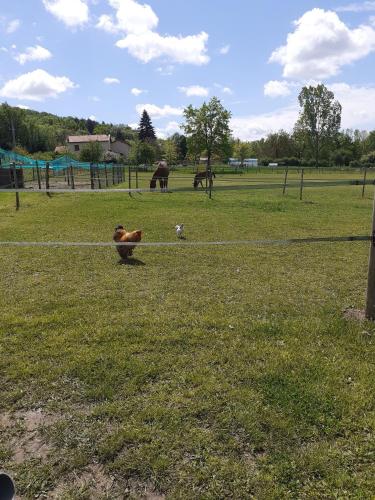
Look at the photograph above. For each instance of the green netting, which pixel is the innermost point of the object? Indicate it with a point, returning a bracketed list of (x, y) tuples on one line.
[(9, 157)]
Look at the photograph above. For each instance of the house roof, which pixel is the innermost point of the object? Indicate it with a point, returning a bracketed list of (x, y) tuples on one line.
[(89, 138)]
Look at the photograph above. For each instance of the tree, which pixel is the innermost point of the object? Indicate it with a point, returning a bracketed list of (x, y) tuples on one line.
[(208, 127), (170, 152), (181, 145), (13, 121), (142, 153), (90, 125), (320, 118), (242, 150), (92, 152), (146, 132)]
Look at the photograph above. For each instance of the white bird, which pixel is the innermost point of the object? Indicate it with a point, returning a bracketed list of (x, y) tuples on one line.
[(180, 230)]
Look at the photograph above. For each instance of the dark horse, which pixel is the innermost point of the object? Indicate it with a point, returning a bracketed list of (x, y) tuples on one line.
[(161, 174), (198, 179)]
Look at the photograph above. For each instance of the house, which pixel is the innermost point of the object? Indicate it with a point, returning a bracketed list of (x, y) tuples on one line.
[(75, 143)]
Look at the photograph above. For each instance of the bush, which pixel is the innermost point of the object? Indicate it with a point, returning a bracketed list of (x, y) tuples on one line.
[(369, 158)]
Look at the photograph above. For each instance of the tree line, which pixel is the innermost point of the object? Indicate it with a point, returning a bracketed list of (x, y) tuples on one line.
[(317, 137)]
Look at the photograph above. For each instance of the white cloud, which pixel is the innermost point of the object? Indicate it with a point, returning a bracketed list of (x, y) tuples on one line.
[(255, 127), (22, 106), (131, 17), (13, 26), (165, 71), (94, 98), (321, 44), (150, 45), (36, 86), (36, 53), (159, 112), (372, 20), (138, 23), (170, 129), (194, 90), (357, 7), (223, 89), (3, 49), (358, 103), (276, 88), (72, 13), (224, 50), (92, 117), (135, 91), (110, 81)]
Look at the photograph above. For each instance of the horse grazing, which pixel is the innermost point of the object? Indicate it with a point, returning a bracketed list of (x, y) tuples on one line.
[(198, 179), (161, 174)]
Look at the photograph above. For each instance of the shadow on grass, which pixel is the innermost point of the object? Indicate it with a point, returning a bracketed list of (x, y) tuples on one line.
[(131, 262)]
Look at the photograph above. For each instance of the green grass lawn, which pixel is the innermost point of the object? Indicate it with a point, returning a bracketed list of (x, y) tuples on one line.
[(210, 372)]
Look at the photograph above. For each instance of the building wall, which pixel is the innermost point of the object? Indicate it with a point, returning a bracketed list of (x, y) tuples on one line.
[(72, 146), (121, 148)]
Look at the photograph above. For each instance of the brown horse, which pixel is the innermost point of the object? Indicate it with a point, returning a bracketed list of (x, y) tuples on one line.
[(198, 179), (161, 174)]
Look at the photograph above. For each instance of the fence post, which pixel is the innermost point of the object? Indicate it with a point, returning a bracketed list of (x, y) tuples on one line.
[(136, 176), (113, 175), (130, 179), (106, 176), (210, 184), (15, 184), (98, 174), (72, 176), (47, 179), (370, 302), (301, 187), (285, 179), (38, 176), (364, 182), (91, 176)]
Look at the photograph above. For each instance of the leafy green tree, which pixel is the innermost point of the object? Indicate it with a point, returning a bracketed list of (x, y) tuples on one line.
[(92, 152), (146, 132), (90, 125), (320, 118), (12, 119), (170, 152), (142, 153), (181, 145), (242, 150), (208, 127)]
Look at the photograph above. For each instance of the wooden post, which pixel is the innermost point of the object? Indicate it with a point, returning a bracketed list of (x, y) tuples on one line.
[(15, 184), (130, 179), (370, 303), (72, 176), (136, 177), (113, 175), (98, 174), (47, 179), (301, 187), (33, 174), (106, 176), (91, 176), (210, 184), (285, 179), (38, 176), (364, 182)]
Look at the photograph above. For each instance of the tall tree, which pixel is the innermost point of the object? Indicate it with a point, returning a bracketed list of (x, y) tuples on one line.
[(146, 132), (170, 152), (208, 126), (320, 118), (242, 150)]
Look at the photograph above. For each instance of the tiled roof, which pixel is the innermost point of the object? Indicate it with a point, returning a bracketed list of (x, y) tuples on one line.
[(89, 138)]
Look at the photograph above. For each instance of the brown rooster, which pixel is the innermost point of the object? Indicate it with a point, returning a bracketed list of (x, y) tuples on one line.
[(122, 236)]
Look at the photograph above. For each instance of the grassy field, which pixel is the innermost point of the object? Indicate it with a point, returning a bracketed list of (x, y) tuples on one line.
[(212, 372)]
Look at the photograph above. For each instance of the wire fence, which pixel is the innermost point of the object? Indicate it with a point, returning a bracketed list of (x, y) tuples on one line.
[(186, 243)]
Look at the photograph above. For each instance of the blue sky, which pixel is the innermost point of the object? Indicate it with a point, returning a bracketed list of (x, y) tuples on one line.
[(110, 58)]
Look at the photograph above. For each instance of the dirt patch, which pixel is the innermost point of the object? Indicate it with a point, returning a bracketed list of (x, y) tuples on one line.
[(24, 431), (355, 314), (92, 482)]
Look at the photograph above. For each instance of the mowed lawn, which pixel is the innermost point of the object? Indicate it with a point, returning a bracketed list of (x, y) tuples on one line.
[(198, 372)]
